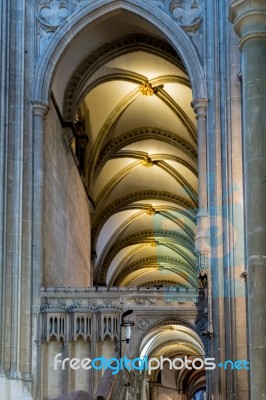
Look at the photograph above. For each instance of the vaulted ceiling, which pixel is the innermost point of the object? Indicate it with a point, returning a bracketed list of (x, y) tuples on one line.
[(175, 342), (141, 166)]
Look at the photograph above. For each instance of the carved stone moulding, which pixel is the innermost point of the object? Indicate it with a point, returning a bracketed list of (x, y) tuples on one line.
[(53, 13), (203, 263), (187, 13), (145, 323)]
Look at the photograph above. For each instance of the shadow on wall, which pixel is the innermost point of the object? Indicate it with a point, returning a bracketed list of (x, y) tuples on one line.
[(77, 395), (104, 390)]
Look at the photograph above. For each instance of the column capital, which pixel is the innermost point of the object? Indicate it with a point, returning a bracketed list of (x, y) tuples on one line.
[(200, 107), (249, 19), (40, 108)]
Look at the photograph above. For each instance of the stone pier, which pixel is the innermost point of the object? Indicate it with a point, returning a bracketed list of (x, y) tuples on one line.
[(249, 18)]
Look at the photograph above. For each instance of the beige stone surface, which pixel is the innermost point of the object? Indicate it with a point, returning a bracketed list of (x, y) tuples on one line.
[(66, 214)]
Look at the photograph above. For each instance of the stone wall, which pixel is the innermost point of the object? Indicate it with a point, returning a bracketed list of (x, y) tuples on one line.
[(66, 214)]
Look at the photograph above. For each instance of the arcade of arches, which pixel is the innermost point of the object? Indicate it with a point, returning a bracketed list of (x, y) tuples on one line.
[(132, 132), (124, 190)]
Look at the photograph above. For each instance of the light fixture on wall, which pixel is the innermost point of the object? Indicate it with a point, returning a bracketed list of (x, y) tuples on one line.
[(125, 327)]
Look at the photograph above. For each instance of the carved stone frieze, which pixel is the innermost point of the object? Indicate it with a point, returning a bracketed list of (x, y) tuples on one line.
[(102, 307), (70, 301), (45, 304), (139, 300), (152, 300), (167, 300), (61, 304), (145, 323), (56, 304), (161, 283), (70, 317), (107, 302), (77, 302), (121, 302), (72, 305)]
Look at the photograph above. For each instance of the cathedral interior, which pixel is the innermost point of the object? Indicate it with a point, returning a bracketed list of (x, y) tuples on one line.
[(133, 218)]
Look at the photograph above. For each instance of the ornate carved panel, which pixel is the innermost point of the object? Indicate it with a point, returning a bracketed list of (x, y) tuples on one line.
[(187, 13), (53, 12), (54, 326), (82, 326), (108, 326)]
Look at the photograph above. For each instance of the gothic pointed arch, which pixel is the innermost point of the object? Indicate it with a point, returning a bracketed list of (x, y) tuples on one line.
[(177, 343), (93, 13)]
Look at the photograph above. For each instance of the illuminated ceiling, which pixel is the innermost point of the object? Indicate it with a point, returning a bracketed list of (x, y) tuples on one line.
[(171, 340), (142, 167), (176, 341)]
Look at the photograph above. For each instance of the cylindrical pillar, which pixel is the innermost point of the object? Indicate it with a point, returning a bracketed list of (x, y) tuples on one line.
[(249, 18), (40, 111), (200, 108), (202, 239)]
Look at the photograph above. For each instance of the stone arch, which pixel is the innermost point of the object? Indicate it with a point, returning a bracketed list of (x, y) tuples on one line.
[(93, 12), (77, 86), (173, 339), (167, 321)]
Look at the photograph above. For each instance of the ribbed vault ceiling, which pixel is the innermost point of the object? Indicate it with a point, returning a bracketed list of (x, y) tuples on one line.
[(171, 340), (175, 341), (142, 167)]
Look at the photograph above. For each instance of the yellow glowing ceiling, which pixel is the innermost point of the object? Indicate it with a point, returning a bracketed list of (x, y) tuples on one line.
[(142, 171)]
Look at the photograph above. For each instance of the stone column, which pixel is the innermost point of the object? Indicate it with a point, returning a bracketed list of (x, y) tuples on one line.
[(202, 239), (249, 18), (143, 392), (40, 111), (200, 108), (4, 97)]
